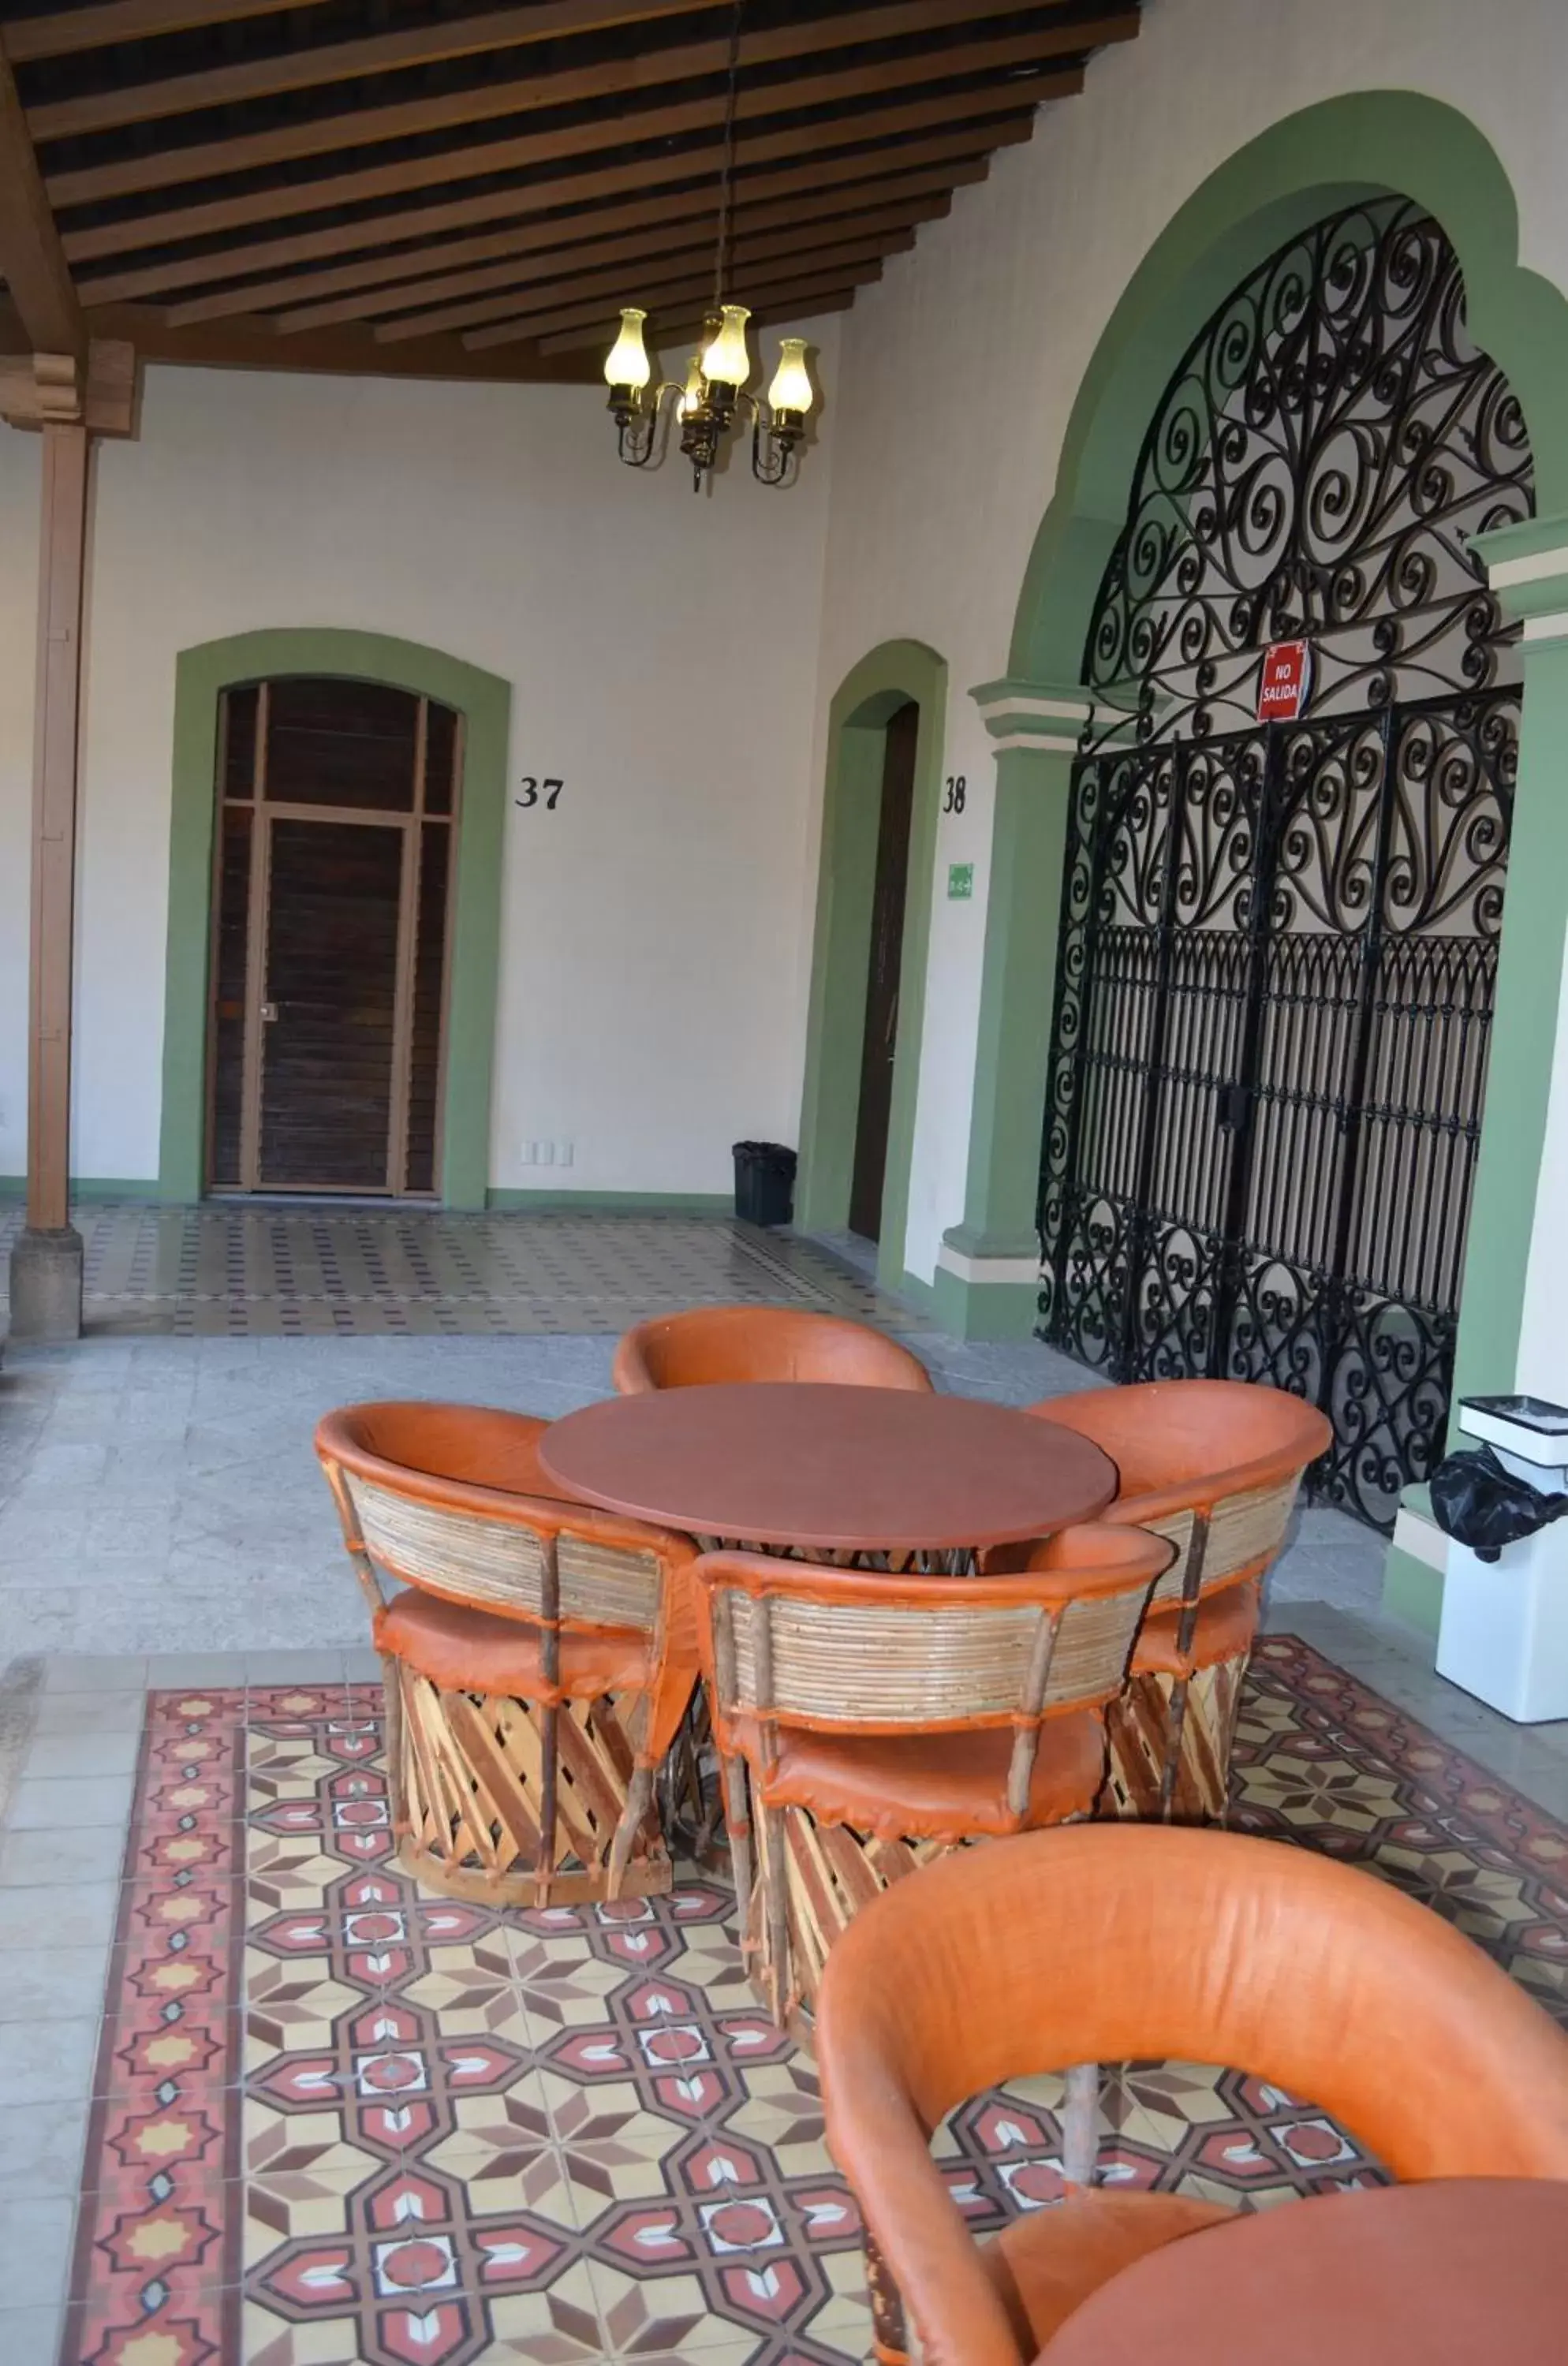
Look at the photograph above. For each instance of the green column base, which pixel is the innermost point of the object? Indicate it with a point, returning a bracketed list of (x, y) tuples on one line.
[(985, 1310), (1412, 1588), (1412, 1591)]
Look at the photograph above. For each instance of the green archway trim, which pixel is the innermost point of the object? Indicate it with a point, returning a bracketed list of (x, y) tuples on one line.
[(484, 701), (884, 679), (1367, 143)]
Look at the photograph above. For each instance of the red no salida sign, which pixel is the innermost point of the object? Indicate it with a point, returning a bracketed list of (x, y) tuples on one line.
[(1285, 681)]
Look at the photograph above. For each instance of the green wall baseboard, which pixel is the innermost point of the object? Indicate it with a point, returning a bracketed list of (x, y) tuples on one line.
[(89, 1190), (628, 1203)]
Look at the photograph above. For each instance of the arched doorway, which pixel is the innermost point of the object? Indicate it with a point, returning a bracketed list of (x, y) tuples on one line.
[(1277, 940), (337, 806), (886, 727)]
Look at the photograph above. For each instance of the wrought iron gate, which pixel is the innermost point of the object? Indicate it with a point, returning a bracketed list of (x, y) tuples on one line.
[(1278, 942)]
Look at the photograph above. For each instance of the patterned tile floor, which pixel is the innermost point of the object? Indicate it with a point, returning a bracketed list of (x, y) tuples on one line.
[(334, 2119), (264, 1271)]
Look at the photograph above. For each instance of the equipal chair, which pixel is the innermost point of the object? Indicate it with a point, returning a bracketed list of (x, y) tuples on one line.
[(1115, 1943), (537, 1661), (884, 1720), (1214, 1466), (761, 1342)]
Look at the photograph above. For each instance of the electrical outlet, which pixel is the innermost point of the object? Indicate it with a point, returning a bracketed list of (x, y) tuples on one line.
[(563, 1153)]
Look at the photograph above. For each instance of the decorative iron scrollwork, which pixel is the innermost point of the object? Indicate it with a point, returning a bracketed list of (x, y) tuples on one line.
[(1326, 449), (1278, 945)]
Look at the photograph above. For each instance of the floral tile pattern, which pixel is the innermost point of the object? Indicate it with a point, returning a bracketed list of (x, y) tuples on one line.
[(339, 2122)]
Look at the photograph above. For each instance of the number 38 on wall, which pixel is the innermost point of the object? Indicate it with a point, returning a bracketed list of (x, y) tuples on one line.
[(958, 788)]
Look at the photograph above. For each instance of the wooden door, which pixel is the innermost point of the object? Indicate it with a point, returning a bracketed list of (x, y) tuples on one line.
[(333, 868), (880, 1042)]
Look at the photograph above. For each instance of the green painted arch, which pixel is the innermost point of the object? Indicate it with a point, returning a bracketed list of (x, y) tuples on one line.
[(887, 678), (484, 701), (1367, 144)]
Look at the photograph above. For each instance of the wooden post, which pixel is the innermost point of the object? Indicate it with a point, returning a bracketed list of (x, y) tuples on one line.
[(46, 1263)]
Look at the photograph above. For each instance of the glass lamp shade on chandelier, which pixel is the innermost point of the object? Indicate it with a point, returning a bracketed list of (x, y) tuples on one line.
[(712, 399)]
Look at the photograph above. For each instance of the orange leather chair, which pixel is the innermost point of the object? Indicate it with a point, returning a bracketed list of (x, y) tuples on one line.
[(882, 1720), (538, 1660), (1119, 1942), (1214, 1466), (761, 1342)]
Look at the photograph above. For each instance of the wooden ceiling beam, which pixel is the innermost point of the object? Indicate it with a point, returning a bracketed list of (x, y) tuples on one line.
[(458, 36), (75, 30), (32, 261), (529, 150), (662, 253), (245, 344), (922, 195), (877, 123), (532, 321), (626, 201), (304, 68), (591, 324), (611, 288), (612, 79)]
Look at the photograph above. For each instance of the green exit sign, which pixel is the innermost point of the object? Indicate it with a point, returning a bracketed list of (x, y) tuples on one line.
[(960, 882)]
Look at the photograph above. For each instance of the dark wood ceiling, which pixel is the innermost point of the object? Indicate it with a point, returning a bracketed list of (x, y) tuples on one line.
[(435, 187)]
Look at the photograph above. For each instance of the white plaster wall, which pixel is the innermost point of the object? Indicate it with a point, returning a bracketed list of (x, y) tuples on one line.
[(661, 651), (958, 372)]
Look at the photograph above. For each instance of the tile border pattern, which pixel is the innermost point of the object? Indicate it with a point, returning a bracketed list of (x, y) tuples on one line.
[(451, 2135)]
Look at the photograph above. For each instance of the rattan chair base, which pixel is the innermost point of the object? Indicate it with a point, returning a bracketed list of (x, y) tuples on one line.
[(1141, 1727), (467, 1776), (827, 1873), (644, 1877)]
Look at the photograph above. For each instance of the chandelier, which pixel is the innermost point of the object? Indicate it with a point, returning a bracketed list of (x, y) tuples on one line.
[(712, 397)]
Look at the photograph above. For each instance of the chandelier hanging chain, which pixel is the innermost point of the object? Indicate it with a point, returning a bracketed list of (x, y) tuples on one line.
[(727, 163), (716, 395)]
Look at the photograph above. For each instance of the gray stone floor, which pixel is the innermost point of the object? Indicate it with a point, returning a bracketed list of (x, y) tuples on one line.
[(154, 1492), (162, 1522)]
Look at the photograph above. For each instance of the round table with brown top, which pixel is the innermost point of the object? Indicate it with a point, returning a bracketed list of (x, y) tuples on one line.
[(1452, 2272), (810, 1466)]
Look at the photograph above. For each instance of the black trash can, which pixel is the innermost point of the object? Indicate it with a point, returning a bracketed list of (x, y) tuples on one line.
[(764, 1182)]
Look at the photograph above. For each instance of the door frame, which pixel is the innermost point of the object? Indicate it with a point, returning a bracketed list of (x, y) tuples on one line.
[(473, 953), (892, 675)]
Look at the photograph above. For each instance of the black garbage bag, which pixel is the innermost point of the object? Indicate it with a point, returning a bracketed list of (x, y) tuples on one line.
[(1479, 1503)]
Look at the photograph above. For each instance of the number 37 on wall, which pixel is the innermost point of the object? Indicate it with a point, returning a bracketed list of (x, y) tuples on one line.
[(535, 792)]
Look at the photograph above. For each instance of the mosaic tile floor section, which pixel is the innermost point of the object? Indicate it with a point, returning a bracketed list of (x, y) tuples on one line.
[(250, 1271), (338, 2120)]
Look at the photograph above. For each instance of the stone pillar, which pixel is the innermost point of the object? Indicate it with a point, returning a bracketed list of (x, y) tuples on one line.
[(987, 1276)]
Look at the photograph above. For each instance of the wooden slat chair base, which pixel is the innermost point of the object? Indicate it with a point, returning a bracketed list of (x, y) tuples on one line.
[(1213, 1466), (1139, 1728), (539, 1658), (826, 1874), (868, 1724), (467, 1783)]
